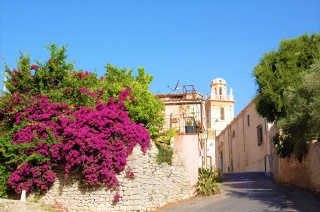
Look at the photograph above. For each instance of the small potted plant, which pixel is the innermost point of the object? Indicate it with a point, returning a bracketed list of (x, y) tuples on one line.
[(189, 127), (200, 128)]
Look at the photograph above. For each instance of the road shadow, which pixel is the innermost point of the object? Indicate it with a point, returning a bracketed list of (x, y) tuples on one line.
[(261, 187)]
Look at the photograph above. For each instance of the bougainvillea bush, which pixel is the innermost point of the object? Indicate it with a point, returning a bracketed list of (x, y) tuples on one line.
[(57, 117)]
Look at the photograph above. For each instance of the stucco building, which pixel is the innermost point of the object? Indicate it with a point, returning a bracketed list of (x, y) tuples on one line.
[(182, 109), (245, 144), (219, 108), (213, 114)]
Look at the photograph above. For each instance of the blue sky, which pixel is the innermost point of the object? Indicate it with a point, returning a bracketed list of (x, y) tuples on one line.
[(191, 41)]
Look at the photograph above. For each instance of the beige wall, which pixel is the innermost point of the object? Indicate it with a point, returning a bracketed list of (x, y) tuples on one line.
[(213, 110), (238, 143)]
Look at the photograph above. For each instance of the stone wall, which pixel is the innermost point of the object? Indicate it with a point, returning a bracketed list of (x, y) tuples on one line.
[(154, 186), (303, 174)]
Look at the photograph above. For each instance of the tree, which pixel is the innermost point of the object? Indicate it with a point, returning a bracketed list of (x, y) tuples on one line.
[(279, 70), (58, 79), (55, 116), (302, 121), (146, 109), (288, 80)]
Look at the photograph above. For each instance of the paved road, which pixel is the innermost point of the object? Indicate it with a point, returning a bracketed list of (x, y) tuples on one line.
[(252, 192)]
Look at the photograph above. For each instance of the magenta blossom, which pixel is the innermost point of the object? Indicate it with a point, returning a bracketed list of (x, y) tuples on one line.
[(66, 90), (102, 77), (80, 75), (83, 90), (116, 197), (130, 175), (34, 67), (96, 140)]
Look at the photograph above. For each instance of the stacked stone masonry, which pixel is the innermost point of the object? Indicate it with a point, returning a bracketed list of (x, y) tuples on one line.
[(305, 173), (154, 185)]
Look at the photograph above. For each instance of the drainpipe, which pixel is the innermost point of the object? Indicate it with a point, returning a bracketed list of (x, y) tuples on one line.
[(205, 152)]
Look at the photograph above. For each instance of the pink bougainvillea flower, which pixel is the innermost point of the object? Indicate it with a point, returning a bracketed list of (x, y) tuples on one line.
[(130, 174), (83, 90), (80, 75), (97, 140), (34, 67), (15, 83), (116, 197), (14, 71), (66, 90), (102, 77), (87, 73)]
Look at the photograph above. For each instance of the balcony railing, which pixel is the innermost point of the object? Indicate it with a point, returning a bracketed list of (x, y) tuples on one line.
[(180, 121), (222, 97)]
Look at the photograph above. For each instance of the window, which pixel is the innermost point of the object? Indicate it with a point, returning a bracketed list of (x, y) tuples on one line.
[(222, 113), (233, 134), (259, 135), (220, 91), (248, 117)]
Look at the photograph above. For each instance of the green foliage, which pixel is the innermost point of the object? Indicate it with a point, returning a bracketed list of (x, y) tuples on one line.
[(289, 93), (302, 122), (279, 70), (8, 154), (37, 198), (146, 109), (162, 143), (58, 79), (165, 153), (189, 121), (219, 179), (208, 182), (167, 135)]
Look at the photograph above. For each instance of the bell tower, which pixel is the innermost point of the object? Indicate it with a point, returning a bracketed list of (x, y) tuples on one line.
[(219, 106)]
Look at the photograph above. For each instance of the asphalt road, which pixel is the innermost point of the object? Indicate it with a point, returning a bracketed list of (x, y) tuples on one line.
[(254, 191)]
